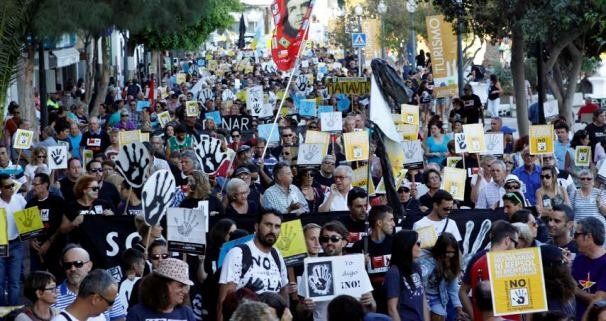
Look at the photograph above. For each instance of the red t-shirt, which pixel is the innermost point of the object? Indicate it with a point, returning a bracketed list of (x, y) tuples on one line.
[(587, 109), (479, 272)]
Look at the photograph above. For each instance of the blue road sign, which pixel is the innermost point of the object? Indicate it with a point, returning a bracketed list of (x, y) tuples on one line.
[(358, 39)]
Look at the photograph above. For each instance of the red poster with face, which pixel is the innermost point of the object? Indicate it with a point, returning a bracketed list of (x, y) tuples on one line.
[(291, 18)]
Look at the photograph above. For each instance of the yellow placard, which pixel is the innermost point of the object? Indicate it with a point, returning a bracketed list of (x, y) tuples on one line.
[(360, 177), (163, 118), (242, 95), (410, 114), (23, 139), (452, 161), (541, 139), (129, 136), (397, 119), (427, 236), (516, 281), (356, 146), (181, 78), (474, 136), (291, 242), (582, 156), (29, 222), (192, 109), (317, 137), (3, 227), (212, 65), (408, 131), (144, 137), (454, 182)]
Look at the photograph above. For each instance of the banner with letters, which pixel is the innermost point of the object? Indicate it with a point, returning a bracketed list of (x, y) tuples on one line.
[(348, 85), (443, 46)]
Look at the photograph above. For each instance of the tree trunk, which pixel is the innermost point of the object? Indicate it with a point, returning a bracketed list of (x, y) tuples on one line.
[(155, 68), (102, 75), (89, 47), (25, 83), (517, 71)]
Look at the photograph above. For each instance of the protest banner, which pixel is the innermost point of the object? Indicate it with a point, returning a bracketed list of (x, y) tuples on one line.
[(144, 137), (516, 281), (307, 108), (186, 229), (310, 154), (494, 144), (454, 182), (541, 139), (163, 118), (142, 104), (325, 109), (452, 161), (132, 162), (360, 177), (410, 114), (158, 192), (23, 139), (317, 137), (291, 243), (442, 40), (582, 156), (331, 122), (265, 131), (57, 157), (348, 85), (3, 233), (328, 277), (192, 109), (230, 245), (474, 138), (460, 143), (208, 151), (356, 146), (551, 110), (126, 137), (254, 100), (29, 223), (408, 131), (413, 154)]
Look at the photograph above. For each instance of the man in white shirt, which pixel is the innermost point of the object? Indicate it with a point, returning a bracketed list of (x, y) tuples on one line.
[(336, 198), (438, 218), (491, 194)]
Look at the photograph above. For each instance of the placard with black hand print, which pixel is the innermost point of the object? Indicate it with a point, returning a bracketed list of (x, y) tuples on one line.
[(57, 157), (29, 223), (132, 163), (186, 229), (327, 277), (158, 192)]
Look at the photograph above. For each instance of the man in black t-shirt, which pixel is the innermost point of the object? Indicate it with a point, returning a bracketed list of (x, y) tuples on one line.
[(472, 106), (357, 202), (74, 171)]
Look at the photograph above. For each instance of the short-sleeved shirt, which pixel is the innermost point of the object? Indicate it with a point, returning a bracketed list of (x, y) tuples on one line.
[(590, 276), (141, 313), (16, 203), (531, 182), (410, 296), (65, 297), (264, 275), (479, 272), (439, 226)]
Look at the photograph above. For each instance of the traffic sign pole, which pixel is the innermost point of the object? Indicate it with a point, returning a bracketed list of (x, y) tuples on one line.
[(358, 40)]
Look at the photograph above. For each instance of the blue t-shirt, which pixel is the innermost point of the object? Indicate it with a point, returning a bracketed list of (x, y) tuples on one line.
[(434, 147), (531, 181), (141, 313), (590, 276), (410, 296)]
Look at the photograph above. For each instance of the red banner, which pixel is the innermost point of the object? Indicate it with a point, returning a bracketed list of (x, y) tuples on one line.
[(291, 18)]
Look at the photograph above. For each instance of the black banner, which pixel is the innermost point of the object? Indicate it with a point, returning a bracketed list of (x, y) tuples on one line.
[(242, 123)]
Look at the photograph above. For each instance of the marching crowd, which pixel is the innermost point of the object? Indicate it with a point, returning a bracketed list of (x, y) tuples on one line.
[(553, 202)]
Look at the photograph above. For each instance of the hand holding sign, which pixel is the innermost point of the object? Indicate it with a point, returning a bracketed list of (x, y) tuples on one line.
[(157, 194), (132, 163), (209, 154)]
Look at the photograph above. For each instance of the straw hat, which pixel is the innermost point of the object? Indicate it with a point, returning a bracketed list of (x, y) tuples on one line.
[(174, 269)]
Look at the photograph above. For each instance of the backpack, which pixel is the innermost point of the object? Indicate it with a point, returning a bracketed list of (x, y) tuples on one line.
[(247, 258)]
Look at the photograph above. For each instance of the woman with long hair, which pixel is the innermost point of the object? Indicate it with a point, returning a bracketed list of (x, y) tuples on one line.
[(440, 272), (550, 193), (580, 138), (559, 284), (436, 145), (403, 284)]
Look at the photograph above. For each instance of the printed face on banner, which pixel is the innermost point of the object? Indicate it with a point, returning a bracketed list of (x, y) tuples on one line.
[(356, 146), (517, 281), (254, 100), (410, 114), (454, 182), (494, 143), (57, 157), (327, 277), (132, 163), (126, 137), (541, 139), (157, 194), (192, 109), (186, 229), (163, 118), (413, 154), (331, 122), (23, 139), (291, 242), (582, 156), (474, 136), (310, 154), (209, 154)]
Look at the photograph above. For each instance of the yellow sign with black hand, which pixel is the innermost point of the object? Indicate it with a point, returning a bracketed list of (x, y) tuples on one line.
[(291, 243), (29, 222)]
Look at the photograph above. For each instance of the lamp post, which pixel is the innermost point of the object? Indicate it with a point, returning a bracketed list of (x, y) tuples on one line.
[(460, 45), (411, 7), (382, 9), (359, 11)]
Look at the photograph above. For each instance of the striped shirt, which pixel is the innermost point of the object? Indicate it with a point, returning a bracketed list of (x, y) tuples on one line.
[(587, 206), (65, 297), (490, 195)]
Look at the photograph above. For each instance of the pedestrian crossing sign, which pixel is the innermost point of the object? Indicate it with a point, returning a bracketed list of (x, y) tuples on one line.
[(358, 39)]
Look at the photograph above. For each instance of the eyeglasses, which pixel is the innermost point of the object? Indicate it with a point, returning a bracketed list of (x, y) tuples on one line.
[(545, 176), (41, 156), (9, 186), (515, 242), (508, 162), (235, 136), (528, 155), (109, 302), (54, 288), (332, 239), (156, 257), (287, 135), (340, 177), (78, 264), (96, 170), (124, 115), (585, 178), (94, 188), (577, 234), (512, 186), (328, 163)]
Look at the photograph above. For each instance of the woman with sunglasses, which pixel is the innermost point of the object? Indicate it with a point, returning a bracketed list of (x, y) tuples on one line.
[(156, 252), (550, 193), (313, 195), (588, 200), (525, 217), (38, 160), (580, 138), (403, 284)]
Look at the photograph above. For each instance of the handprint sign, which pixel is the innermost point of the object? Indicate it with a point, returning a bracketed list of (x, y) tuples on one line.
[(460, 144), (320, 279), (57, 157), (519, 297), (287, 235), (29, 222), (310, 154), (157, 194), (331, 122), (494, 143), (209, 154), (132, 163), (187, 223)]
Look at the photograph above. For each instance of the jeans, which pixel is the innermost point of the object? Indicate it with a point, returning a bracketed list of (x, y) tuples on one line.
[(10, 274)]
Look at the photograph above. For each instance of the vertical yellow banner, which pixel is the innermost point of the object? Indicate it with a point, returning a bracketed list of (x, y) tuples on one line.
[(443, 47), (541, 139)]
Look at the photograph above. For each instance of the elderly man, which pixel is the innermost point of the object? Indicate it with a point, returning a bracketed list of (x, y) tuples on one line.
[(492, 193), (529, 175), (283, 196), (325, 177), (336, 198), (94, 139), (97, 293)]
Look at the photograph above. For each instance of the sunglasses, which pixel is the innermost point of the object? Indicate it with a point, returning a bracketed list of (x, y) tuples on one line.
[(545, 176), (9, 186), (447, 209), (109, 302), (41, 156), (94, 188), (96, 170), (156, 257), (332, 239), (577, 234), (78, 264), (508, 162), (585, 178), (515, 242), (512, 186)]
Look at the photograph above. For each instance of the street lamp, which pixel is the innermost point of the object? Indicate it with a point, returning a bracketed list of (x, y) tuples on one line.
[(359, 11), (411, 7), (460, 45), (382, 9)]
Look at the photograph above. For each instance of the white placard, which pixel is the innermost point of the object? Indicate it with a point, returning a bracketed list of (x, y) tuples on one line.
[(494, 144), (550, 109), (57, 157), (331, 122), (158, 193), (460, 143), (310, 154), (186, 229), (23, 139), (328, 277), (413, 152), (254, 100)]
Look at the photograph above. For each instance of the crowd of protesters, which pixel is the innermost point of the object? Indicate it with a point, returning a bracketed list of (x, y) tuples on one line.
[(549, 202)]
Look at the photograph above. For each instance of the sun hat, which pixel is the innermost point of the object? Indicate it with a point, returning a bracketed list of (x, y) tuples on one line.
[(174, 269)]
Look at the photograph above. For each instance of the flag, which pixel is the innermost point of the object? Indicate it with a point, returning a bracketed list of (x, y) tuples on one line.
[(291, 30), (241, 42)]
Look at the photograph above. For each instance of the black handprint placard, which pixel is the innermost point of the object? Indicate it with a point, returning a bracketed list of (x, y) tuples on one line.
[(209, 154), (132, 163), (413, 154), (186, 229), (57, 157), (157, 194), (327, 277)]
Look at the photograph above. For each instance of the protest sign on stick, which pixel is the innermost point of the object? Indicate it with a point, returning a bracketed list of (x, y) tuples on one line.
[(328, 277)]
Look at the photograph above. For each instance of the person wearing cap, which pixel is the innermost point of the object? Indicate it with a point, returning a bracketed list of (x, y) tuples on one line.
[(492, 192), (588, 266), (165, 291), (407, 194), (244, 173), (325, 176), (243, 156)]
